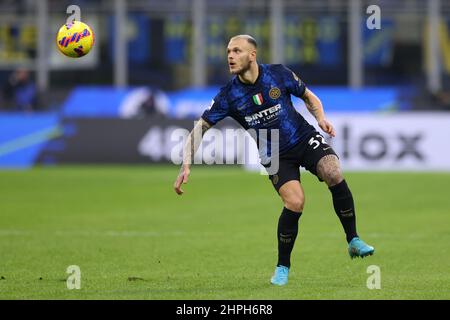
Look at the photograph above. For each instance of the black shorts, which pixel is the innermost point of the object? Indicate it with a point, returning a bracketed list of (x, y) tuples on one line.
[(306, 153)]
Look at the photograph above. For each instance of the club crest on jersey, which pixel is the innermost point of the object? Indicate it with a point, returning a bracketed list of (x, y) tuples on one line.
[(274, 93), (258, 99)]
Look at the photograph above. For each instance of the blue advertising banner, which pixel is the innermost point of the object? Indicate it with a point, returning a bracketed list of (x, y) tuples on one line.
[(109, 102), (23, 137)]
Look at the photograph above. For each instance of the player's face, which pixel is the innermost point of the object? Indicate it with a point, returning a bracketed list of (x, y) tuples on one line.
[(240, 55)]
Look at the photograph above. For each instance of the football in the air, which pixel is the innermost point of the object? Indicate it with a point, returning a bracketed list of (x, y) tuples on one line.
[(75, 39)]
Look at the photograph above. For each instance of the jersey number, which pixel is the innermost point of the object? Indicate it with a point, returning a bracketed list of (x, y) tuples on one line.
[(315, 142)]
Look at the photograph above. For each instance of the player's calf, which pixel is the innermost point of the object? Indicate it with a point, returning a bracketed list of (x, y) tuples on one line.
[(328, 169)]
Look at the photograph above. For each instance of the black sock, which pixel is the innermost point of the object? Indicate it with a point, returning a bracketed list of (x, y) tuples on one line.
[(286, 234), (345, 208)]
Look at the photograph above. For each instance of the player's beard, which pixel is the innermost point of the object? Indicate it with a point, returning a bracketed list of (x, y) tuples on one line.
[(245, 67)]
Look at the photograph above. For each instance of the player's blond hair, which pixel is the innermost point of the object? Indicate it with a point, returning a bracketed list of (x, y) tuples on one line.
[(247, 37)]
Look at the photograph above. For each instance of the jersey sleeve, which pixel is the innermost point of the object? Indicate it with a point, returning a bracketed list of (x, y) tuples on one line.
[(293, 83), (217, 111)]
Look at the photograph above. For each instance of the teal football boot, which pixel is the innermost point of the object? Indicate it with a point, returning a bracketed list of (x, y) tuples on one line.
[(358, 248), (280, 277)]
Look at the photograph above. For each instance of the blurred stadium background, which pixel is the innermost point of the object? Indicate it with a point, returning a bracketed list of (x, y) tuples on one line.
[(157, 60), (155, 67)]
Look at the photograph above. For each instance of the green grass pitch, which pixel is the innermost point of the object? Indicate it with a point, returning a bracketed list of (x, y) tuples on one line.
[(134, 238)]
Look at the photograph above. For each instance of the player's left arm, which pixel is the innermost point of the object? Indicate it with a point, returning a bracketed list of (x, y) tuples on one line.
[(314, 106)]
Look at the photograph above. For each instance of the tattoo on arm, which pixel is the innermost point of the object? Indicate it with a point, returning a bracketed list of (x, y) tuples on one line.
[(309, 103), (193, 141), (313, 105)]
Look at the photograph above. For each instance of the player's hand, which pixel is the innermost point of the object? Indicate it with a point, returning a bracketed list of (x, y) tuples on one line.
[(182, 178), (327, 127)]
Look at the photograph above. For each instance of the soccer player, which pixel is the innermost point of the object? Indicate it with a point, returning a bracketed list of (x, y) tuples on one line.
[(254, 90)]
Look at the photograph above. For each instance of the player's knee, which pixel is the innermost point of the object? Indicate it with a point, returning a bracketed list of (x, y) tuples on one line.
[(333, 177), (329, 170), (295, 203)]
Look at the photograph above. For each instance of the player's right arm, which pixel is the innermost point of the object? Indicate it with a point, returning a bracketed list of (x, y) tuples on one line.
[(216, 112), (190, 148)]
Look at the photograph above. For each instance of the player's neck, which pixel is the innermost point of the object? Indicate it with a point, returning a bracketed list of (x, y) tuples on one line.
[(251, 75)]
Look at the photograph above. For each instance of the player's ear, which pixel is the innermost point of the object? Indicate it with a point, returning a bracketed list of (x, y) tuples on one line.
[(253, 55)]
